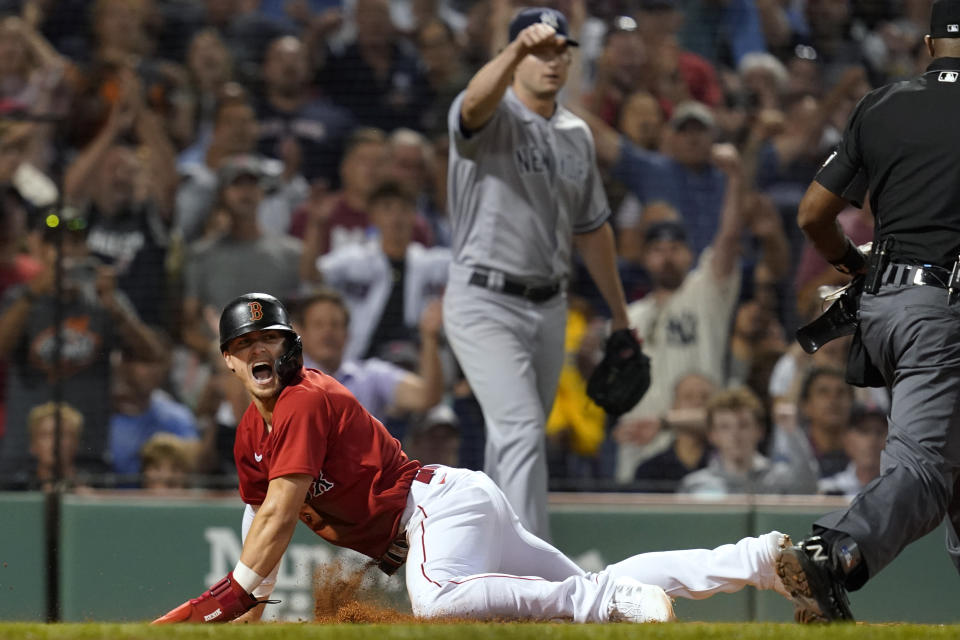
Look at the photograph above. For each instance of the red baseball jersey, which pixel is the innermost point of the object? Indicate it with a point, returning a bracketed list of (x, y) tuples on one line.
[(361, 475)]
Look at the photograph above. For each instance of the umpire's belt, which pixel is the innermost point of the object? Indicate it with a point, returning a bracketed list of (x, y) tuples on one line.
[(916, 274), (497, 281)]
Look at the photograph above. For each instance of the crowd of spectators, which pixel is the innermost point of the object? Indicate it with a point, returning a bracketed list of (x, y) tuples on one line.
[(169, 155)]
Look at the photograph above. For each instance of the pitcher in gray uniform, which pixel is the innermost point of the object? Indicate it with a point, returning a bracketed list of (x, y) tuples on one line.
[(523, 187)]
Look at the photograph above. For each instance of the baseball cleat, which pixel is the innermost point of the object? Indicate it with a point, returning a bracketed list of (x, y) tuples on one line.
[(634, 601), (805, 571), (775, 543), (806, 616)]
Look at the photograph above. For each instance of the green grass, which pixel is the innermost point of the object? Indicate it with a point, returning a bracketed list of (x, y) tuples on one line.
[(309, 631)]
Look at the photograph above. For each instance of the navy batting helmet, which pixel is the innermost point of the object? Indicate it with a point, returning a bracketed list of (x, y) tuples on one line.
[(262, 312)]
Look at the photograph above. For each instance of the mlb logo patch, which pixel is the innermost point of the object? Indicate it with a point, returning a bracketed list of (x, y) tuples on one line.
[(948, 76), (953, 28)]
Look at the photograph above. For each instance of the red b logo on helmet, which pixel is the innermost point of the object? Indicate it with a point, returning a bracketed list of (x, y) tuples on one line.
[(256, 310)]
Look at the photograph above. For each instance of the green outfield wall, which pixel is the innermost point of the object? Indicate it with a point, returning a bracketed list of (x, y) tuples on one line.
[(131, 557), (22, 557)]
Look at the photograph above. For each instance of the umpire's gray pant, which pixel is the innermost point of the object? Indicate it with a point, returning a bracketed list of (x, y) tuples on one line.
[(913, 337), (511, 351)]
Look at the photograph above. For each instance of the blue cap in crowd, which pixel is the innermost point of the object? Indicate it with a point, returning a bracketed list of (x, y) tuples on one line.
[(665, 230)]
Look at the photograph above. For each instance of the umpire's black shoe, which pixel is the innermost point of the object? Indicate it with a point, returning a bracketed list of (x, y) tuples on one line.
[(807, 572)]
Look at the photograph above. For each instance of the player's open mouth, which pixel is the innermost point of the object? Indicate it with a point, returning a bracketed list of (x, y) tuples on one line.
[(262, 373)]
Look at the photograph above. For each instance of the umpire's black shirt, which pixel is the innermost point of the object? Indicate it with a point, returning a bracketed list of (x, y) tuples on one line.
[(902, 142)]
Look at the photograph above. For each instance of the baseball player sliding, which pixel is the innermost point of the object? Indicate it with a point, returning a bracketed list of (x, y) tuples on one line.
[(307, 450), (523, 188)]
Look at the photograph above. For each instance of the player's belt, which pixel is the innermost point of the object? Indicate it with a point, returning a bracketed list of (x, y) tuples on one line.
[(916, 274), (425, 474), (496, 281), (396, 553)]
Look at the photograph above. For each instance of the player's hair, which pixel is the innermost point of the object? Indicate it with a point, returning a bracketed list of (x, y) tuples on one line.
[(815, 373), (736, 399), (71, 419), (390, 190), (323, 294), (167, 446)]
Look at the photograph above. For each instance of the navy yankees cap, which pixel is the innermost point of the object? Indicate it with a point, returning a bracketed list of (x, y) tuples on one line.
[(945, 19), (670, 230), (533, 15)]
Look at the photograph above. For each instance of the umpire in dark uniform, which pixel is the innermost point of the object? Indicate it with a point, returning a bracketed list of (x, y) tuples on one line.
[(902, 146)]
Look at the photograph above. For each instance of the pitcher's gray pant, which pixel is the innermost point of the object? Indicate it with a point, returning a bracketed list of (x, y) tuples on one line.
[(511, 351), (913, 336)]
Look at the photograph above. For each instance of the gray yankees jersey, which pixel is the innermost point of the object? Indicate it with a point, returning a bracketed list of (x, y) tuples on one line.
[(520, 187)]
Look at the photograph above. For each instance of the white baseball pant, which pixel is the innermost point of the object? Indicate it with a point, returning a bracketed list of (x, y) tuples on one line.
[(470, 557)]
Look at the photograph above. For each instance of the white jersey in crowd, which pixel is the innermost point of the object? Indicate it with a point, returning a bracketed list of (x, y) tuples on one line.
[(520, 187), (361, 273), (688, 334)]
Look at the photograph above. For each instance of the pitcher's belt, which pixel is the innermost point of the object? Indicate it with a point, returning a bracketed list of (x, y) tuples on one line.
[(497, 281)]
